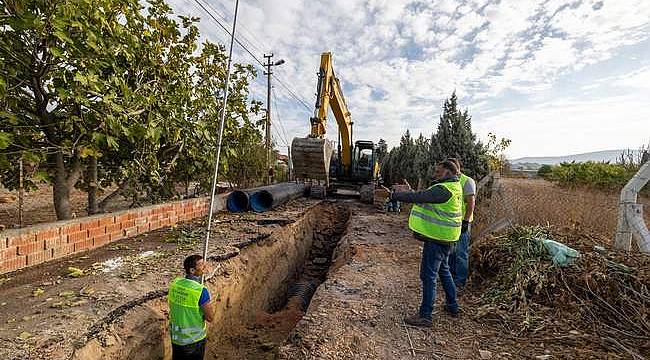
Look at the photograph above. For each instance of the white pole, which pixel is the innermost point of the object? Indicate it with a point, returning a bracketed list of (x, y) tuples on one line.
[(223, 118)]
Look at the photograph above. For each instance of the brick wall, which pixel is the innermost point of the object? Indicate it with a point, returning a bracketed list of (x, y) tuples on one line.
[(33, 245)]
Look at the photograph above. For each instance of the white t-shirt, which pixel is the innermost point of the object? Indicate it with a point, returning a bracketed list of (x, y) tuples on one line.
[(470, 187)]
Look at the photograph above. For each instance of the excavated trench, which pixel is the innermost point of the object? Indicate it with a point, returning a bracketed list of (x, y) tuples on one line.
[(259, 295)]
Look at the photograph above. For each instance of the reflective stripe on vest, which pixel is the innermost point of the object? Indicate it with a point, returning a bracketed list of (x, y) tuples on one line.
[(186, 323), (439, 221), (463, 179)]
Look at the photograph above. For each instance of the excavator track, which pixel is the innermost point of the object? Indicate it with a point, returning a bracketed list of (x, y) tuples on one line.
[(311, 158)]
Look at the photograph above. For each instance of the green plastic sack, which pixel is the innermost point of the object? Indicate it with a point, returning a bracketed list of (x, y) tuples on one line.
[(561, 254)]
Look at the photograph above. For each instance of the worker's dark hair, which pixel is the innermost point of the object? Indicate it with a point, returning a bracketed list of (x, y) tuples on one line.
[(449, 165), (191, 261), (455, 161)]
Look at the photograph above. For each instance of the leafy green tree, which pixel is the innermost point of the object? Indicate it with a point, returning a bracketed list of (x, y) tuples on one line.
[(115, 89)]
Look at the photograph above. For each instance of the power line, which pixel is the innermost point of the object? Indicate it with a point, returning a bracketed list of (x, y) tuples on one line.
[(257, 45), (296, 97), (282, 83), (277, 115), (228, 31)]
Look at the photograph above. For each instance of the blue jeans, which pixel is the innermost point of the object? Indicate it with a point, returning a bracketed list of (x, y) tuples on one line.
[(459, 259), (434, 263)]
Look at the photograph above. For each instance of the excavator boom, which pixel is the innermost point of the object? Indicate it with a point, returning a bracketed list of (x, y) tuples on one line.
[(311, 156)]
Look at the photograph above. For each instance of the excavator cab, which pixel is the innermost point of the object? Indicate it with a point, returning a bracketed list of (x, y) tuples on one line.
[(363, 162)]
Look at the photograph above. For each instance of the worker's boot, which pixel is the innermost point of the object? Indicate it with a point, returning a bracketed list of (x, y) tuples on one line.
[(452, 311), (419, 321)]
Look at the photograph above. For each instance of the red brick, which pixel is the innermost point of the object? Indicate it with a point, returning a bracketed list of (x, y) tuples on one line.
[(21, 239), (141, 221), (165, 222), (39, 257), (130, 231), (77, 236), (154, 225), (52, 243), (101, 240), (128, 224), (63, 250), (8, 253), (117, 235), (13, 264), (47, 234), (173, 219), (68, 229), (154, 217), (96, 232), (31, 248), (143, 228), (156, 211), (83, 245), (111, 228), (90, 224), (121, 218), (4, 242), (107, 220)]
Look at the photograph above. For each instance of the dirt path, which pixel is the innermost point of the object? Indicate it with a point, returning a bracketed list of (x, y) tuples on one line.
[(357, 313)]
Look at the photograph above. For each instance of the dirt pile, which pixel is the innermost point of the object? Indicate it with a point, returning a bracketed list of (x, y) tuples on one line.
[(602, 299)]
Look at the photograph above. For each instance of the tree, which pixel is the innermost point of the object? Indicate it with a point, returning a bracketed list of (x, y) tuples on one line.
[(414, 160), (454, 138), (121, 92), (382, 150)]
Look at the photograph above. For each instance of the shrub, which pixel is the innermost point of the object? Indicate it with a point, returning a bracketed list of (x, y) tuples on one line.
[(544, 171), (600, 175)]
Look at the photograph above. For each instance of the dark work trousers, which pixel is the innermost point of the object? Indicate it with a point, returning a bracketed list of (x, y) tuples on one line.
[(194, 351)]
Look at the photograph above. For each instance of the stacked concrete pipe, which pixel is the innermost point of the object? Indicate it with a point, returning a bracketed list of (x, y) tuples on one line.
[(264, 198)]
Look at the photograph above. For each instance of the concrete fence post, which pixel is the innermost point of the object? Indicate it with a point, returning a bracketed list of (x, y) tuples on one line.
[(630, 216)]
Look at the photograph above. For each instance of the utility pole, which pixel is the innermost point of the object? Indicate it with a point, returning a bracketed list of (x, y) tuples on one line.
[(289, 163), (269, 151), (268, 116), (21, 191)]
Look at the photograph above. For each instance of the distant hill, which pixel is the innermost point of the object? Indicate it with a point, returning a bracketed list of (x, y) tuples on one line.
[(606, 155)]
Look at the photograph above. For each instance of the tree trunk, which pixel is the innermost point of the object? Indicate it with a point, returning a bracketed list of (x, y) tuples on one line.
[(61, 190), (64, 181), (110, 197), (92, 186)]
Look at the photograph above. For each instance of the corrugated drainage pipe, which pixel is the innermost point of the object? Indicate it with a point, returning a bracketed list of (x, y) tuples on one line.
[(238, 201), (271, 196)]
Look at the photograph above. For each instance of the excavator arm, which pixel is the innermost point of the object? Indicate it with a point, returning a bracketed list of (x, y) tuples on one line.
[(329, 94), (311, 155)]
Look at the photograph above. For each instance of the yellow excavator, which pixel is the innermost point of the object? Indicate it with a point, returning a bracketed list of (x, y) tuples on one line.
[(354, 167)]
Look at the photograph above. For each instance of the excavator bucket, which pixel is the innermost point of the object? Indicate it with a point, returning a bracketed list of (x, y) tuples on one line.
[(311, 158)]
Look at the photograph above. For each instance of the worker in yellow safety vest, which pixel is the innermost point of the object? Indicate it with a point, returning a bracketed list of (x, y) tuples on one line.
[(436, 219), (459, 259), (189, 309)]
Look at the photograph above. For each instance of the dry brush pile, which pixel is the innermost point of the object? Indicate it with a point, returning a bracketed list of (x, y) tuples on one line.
[(600, 301)]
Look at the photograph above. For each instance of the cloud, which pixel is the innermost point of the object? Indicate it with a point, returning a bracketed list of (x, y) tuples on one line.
[(570, 126), (412, 54)]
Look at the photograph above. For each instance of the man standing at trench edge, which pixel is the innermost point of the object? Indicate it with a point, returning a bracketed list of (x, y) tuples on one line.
[(459, 259), (189, 309), (436, 219)]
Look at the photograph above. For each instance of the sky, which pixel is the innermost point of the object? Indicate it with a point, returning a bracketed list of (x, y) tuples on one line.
[(555, 77)]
